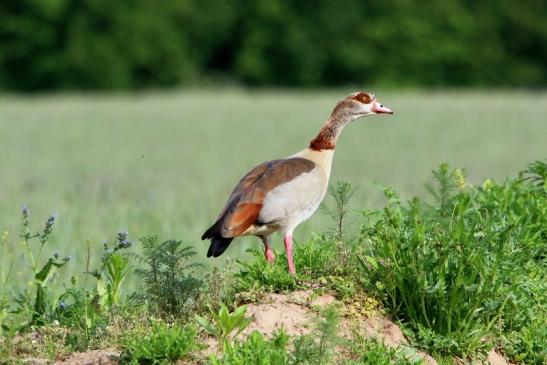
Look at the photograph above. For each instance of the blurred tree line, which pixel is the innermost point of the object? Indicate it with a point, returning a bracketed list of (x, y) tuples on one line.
[(132, 44)]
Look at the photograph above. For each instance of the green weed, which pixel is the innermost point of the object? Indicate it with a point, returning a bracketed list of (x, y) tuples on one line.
[(6, 272), (320, 260), (113, 271), (225, 326), (256, 350), (89, 311), (318, 347), (170, 287), (528, 344), (342, 193), (448, 269), (370, 351), (219, 287), (162, 344), (259, 274), (37, 302)]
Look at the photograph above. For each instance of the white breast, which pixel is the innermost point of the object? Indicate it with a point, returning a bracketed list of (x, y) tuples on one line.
[(293, 202)]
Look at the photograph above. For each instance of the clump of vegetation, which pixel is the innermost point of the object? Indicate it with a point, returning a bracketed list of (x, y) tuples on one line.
[(219, 286), (225, 326), (6, 271), (256, 349), (370, 351), (341, 193), (448, 269), (36, 301), (112, 272), (318, 347), (260, 274), (89, 311), (318, 260), (170, 287), (161, 344)]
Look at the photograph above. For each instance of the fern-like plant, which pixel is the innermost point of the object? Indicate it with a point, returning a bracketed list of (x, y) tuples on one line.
[(341, 193), (169, 285), (446, 183)]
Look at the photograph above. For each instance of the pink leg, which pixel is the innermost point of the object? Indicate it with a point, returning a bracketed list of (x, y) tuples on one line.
[(268, 252), (288, 250)]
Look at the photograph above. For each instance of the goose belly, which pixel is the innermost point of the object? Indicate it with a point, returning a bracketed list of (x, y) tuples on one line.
[(293, 202)]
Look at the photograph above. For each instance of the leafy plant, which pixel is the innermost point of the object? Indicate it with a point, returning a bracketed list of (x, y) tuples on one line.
[(6, 272), (258, 273), (112, 272), (89, 311), (256, 350), (528, 344), (225, 326), (219, 287), (318, 347), (371, 351), (170, 287), (536, 175), (447, 181), (162, 344), (37, 302), (448, 269)]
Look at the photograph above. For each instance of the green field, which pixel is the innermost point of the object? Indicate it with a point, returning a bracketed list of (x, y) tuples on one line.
[(165, 163)]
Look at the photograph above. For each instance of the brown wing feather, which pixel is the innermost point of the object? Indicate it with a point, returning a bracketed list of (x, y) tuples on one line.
[(243, 217), (245, 203)]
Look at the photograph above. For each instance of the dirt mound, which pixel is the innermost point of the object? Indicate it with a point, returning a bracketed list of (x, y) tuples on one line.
[(290, 311), (295, 312)]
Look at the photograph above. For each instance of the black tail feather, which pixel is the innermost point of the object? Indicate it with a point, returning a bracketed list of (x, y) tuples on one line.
[(219, 244), (213, 231)]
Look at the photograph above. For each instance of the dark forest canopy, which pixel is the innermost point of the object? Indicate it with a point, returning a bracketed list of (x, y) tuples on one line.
[(129, 44)]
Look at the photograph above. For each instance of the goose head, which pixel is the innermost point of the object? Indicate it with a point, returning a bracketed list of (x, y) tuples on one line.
[(359, 104)]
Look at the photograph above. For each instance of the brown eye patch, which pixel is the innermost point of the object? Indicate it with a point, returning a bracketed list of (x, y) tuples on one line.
[(363, 97)]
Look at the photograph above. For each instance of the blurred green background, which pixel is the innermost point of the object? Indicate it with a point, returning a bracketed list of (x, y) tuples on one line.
[(128, 44)]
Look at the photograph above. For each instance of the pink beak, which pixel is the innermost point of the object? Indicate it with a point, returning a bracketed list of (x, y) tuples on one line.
[(381, 109)]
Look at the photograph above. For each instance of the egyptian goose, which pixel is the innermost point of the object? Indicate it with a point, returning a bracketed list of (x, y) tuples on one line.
[(278, 195)]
